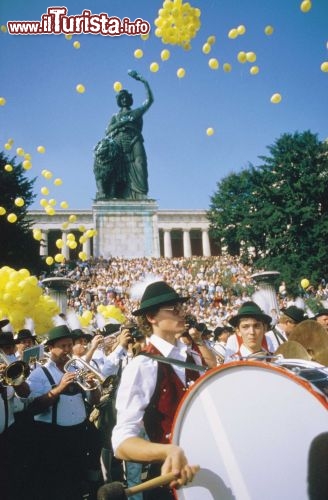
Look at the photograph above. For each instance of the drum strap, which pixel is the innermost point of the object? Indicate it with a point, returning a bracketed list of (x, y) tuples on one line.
[(172, 361), (280, 339)]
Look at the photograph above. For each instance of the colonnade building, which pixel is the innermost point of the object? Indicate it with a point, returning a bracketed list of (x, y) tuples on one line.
[(174, 233)]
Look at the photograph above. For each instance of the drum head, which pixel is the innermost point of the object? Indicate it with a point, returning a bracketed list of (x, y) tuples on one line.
[(250, 426)]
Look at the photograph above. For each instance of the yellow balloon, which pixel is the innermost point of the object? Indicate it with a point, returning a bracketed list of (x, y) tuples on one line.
[(268, 30), (11, 218), (64, 204), (37, 235), (213, 63), (48, 175), (154, 67), (3, 28), (59, 243), (8, 168), (210, 131), (44, 190), (71, 236), (49, 261), (2, 101), (324, 67), (19, 202), (71, 244), (251, 56), (72, 218), (59, 257), (58, 182), (7, 146), (241, 56), (181, 72), (276, 98), (254, 70), (305, 283), (68, 37), (20, 151), (241, 30), (211, 40), (117, 86), (27, 156), (2, 211), (43, 202), (138, 53), (27, 164), (81, 229), (206, 49), (83, 256), (144, 36), (50, 210), (76, 45), (65, 225), (165, 55), (80, 88), (306, 5), (41, 149), (227, 67), (233, 33)]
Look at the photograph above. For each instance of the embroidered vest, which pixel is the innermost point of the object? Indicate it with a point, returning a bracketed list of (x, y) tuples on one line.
[(169, 390)]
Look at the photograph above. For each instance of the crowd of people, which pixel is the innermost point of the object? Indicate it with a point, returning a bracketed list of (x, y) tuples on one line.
[(96, 405), (217, 286)]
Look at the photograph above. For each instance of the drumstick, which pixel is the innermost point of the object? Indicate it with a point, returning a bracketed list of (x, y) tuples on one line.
[(116, 490), (223, 444)]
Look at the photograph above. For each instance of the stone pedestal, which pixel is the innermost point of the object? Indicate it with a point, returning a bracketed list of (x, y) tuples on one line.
[(265, 281), (126, 228), (57, 288)]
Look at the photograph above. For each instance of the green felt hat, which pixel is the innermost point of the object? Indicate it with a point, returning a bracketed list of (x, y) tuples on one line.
[(250, 310), (295, 313), (156, 295), (59, 332)]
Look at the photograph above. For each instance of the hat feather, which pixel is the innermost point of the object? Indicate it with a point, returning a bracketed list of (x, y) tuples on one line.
[(138, 288)]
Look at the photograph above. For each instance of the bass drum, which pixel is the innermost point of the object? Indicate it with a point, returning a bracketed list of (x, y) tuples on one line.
[(250, 426)]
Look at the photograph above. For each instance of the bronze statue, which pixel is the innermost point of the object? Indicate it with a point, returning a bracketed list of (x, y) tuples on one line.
[(120, 161)]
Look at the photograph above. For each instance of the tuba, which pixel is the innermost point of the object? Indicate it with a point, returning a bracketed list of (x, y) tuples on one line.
[(15, 373)]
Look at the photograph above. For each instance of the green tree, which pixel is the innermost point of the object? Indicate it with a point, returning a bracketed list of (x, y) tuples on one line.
[(18, 248), (281, 210)]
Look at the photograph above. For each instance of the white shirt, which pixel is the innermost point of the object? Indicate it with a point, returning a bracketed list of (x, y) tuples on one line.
[(273, 339), (70, 409), (236, 353), (112, 361), (137, 386)]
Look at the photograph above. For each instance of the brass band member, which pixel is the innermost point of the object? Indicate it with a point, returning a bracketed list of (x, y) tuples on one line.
[(61, 422)]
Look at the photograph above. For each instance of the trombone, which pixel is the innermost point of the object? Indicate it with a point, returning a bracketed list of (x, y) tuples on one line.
[(15, 373), (82, 369)]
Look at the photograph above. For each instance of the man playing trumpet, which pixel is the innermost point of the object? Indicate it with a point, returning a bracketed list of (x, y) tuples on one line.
[(61, 422)]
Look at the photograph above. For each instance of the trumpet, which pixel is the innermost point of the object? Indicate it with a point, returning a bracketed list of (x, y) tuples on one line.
[(82, 369), (15, 373)]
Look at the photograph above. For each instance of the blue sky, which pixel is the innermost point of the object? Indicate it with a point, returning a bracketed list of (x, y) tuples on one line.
[(39, 75)]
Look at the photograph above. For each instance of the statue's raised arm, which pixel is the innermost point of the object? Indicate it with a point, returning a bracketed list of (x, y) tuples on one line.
[(124, 137)]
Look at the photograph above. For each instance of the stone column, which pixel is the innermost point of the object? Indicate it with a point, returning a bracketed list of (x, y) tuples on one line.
[(206, 243), (86, 248), (44, 243), (167, 244), (186, 243), (65, 250)]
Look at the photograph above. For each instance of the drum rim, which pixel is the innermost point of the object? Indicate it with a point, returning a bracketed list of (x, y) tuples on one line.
[(251, 363)]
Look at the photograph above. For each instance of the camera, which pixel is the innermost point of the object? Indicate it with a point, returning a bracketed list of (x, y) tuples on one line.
[(191, 322)]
